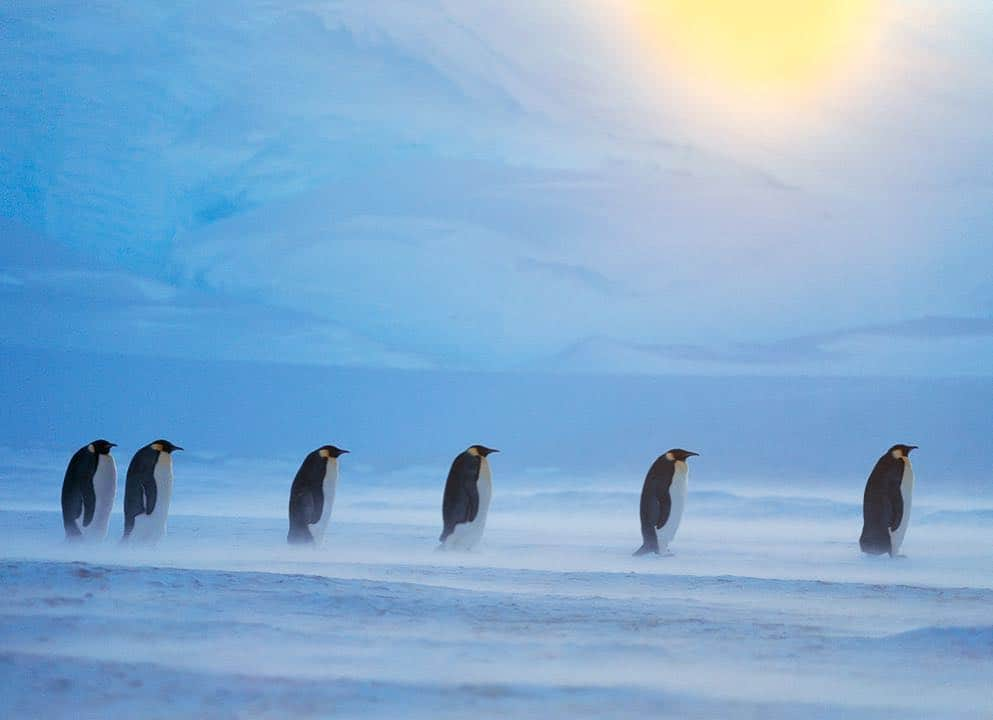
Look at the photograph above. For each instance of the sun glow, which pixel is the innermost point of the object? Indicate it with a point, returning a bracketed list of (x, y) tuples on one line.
[(757, 47)]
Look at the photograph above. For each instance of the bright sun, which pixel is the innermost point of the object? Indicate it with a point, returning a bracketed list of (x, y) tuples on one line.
[(756, 46)]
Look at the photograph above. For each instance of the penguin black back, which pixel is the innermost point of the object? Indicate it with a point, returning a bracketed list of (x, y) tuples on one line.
[(882, 502), (140, 489), (656, 499), (78, 494), (307, 493), (460, 503)]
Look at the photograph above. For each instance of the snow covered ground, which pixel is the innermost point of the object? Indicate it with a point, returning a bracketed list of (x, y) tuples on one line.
[(766, 609)]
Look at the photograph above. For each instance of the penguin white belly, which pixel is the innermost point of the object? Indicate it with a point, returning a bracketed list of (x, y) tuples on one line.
[(467, 535), (677, 495), (907, 491), (151, 528), (330, 485), (105, 488)]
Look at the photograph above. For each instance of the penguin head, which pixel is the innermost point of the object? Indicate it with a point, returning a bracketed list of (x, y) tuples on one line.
[(101, 447), (480, 450), (330, 451), (900, 451), (164, 446), (678, 454)]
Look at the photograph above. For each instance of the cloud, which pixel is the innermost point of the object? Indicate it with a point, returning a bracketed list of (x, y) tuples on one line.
[(485, 266), (578, 274), (95, 285), (434, 185), (913, 347), (95, 310), (929, 327)]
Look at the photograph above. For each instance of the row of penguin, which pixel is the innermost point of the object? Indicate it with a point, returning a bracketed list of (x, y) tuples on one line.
[(90, 486)]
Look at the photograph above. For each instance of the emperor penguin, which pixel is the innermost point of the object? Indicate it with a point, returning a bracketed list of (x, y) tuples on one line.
[(886, 503), (663, 498), (88, 491), (312, 495), (466, 502), (147, 492)]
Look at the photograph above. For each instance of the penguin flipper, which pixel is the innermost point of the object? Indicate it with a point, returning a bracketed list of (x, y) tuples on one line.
[(665, 508), (461, 500), (896, 507), (472, 501), (89, 498), (134, 505), (72, 508), (315, 505), (151, 492)]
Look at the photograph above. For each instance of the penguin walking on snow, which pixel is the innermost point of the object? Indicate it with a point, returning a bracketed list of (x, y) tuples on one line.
[(88, 491), (886, 502), (147, 493), (663, 498), (312, 495), (466, 502)]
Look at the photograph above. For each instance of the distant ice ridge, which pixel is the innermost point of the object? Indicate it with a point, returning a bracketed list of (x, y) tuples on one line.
[(976, 641)]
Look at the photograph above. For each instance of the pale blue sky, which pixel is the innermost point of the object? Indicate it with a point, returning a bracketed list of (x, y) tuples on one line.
[(486, 186)]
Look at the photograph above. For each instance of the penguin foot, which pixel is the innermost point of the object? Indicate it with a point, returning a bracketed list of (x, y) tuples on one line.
[(644, 550)]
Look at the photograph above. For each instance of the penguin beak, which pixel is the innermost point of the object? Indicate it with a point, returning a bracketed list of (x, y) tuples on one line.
[(112, 444), (692, 454), (176, 447), (343, 452)]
